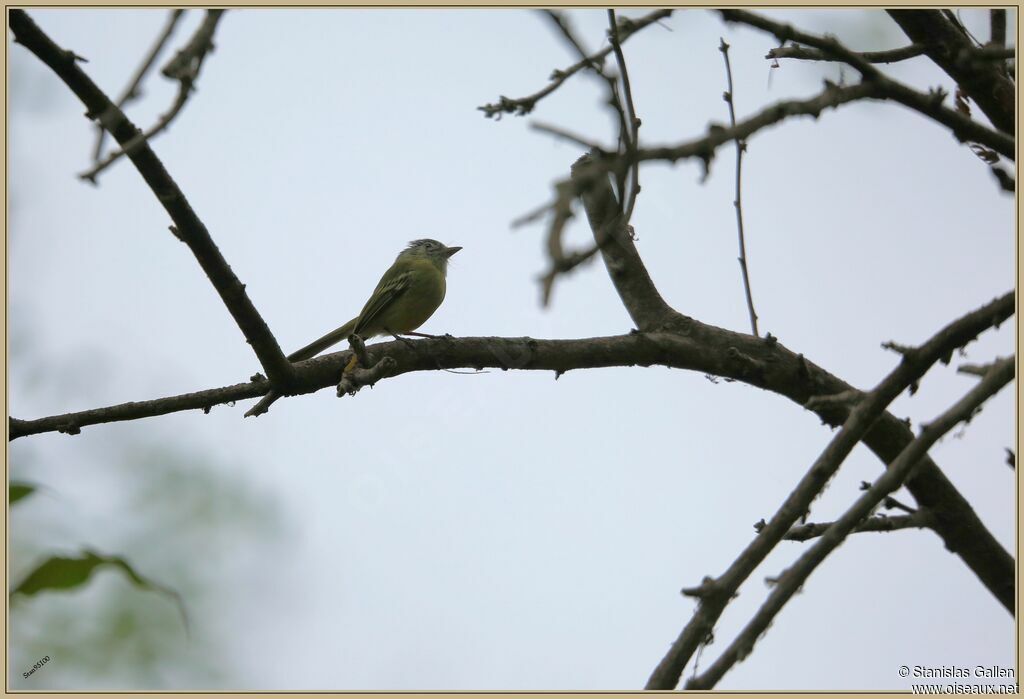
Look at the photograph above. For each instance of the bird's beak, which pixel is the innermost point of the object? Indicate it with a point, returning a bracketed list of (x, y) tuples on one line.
[(448, 252)]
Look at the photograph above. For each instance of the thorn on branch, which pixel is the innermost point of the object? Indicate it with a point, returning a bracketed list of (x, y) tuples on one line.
[(72, 57), (891, 503), (708, 588)]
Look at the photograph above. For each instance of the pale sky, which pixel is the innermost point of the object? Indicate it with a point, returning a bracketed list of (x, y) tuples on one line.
[(501, 530)]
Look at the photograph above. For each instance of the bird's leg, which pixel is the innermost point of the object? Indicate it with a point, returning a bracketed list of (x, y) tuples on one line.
[(406, 342), (358, 354)]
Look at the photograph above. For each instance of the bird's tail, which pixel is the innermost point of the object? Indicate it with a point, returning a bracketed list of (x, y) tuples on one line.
[(317, 346)]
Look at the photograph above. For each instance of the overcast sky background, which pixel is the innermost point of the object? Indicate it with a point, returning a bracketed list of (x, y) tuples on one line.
[(501, 530)]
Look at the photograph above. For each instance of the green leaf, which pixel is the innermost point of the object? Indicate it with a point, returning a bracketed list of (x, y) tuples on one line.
[(18, 490), (60, 573)]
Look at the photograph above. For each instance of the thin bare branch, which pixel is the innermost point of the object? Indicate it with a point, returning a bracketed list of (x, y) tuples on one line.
[(566, 135), (162, 123), (809, 54), (561, 262), (561, 23), (524, 105), (741, 146), (132, 90), (187, 225), (704, 148), (977, 369), (893, 478), (860, 421), (184, 68), (631, 136)]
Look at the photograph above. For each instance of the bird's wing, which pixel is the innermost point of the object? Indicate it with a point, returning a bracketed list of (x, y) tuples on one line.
[(389, 290)]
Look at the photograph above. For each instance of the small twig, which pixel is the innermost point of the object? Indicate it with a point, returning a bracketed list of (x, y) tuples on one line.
[(631, 137), (189, 59), (131, 92), (737, 203), (897, 347), (524, 105), (566, 135), (263, 404), (562, 24), (891, 503), (976, 369), (922, 519), (533, 215), (809, 54), (561, 212), (899, 471)]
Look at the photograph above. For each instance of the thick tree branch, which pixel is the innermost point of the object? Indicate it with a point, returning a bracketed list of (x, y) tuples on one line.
[(899, 470), (525, 105), (952, 50), (998, 20), (187, 225), (860, 422), (689, 344), (611, 234)]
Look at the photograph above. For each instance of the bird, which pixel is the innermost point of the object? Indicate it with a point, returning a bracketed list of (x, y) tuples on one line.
[(405, 297)]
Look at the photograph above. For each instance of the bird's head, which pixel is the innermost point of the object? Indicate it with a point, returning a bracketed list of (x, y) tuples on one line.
[(429, 249)]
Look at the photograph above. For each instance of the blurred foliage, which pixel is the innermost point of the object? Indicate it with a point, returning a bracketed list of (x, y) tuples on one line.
[(61, 573), (16, 491), (180, 521), (176, 516)]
